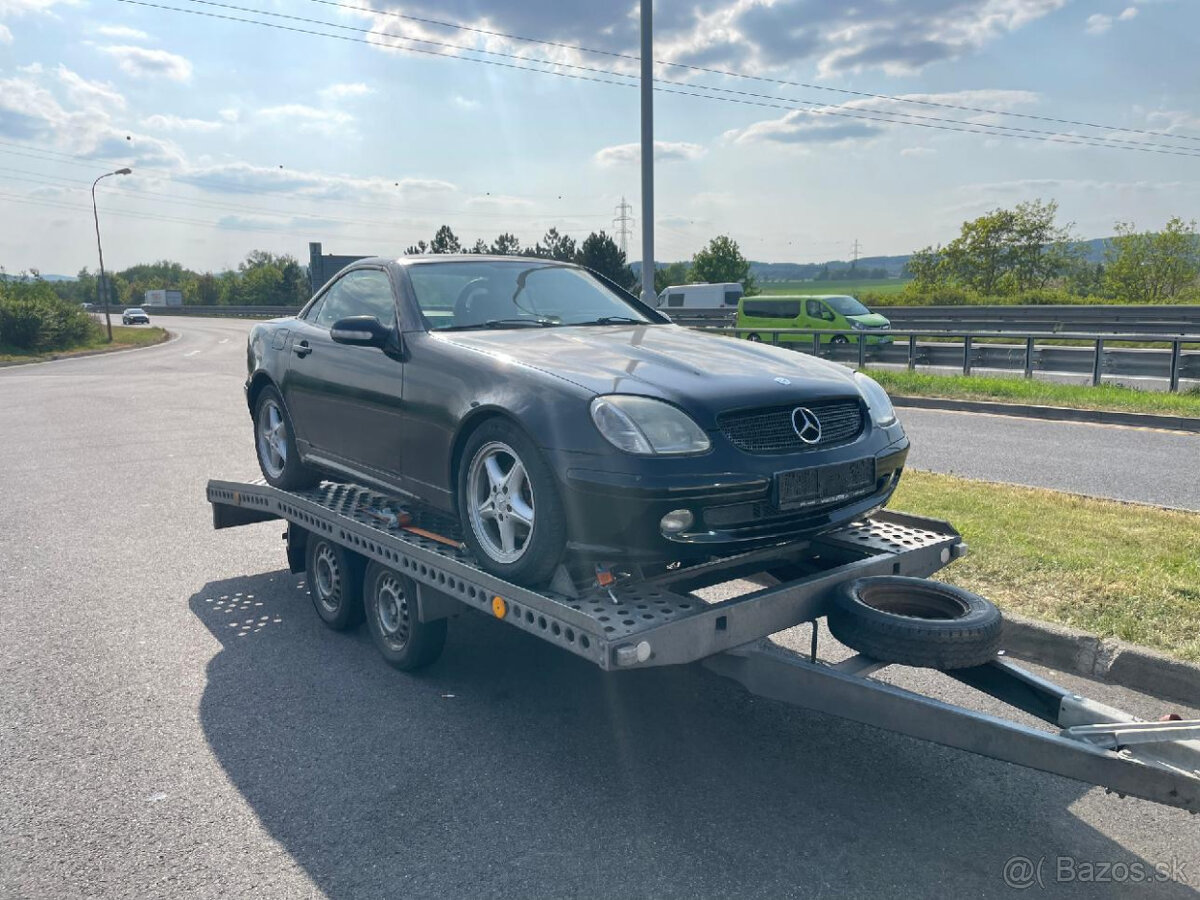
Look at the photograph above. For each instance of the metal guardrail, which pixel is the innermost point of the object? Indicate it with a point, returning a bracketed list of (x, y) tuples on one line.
[(1042, 319), (249, 312), (976, 347)]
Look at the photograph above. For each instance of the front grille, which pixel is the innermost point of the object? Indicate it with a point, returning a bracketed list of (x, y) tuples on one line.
[(769, 430)]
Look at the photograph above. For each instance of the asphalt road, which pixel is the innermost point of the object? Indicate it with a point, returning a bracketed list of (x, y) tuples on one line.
[(174, 721)]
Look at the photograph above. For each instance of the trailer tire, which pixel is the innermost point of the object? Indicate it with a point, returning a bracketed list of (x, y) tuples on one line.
[(334, 576), (915, 622), (390, 604)]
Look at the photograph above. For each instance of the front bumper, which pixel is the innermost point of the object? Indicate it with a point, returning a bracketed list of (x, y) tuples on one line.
[(618, 513)]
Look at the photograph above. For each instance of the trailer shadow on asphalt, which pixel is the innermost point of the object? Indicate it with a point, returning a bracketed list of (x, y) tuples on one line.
[(512, 768)]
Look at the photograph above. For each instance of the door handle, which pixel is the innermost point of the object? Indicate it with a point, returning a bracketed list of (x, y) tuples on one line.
[(301, 349)]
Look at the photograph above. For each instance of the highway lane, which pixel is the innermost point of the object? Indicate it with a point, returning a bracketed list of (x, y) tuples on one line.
[(175, 721)]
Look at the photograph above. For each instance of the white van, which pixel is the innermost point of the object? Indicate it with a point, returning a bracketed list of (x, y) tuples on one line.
[(701, 296)]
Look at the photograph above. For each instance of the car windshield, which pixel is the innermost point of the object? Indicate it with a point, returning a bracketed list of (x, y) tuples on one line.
[(847, 306), (521, 293)]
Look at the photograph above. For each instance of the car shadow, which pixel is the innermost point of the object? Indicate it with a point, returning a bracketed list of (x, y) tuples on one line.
[(511, 768)]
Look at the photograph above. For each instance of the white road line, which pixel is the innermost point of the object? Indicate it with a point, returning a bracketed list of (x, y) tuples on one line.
[(223, 341), (192, 353)]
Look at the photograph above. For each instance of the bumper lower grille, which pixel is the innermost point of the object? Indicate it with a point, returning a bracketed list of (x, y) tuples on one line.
[(770, 429)]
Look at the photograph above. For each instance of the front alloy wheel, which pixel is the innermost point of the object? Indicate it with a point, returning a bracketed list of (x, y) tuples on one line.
[(275, 444), (500, 502), (508, 504)]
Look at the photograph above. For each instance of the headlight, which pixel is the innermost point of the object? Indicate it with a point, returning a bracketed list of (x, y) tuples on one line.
[(647, 426), (857, 326), (881, 408)]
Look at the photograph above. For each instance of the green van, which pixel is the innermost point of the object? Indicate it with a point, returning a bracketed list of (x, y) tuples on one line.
[(832, 311)]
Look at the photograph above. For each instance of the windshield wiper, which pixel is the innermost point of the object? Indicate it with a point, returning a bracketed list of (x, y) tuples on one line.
[(504, 323), (613, 320)]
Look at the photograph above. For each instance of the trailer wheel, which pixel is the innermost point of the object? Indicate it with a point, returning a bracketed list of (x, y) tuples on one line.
[(915, 622), (390, 604), (334, 576)]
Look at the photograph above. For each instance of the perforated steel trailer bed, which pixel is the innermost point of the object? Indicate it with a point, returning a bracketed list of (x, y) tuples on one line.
[(663, 618)]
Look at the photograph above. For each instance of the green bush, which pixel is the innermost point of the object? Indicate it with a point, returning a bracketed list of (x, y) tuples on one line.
[(32, 317)]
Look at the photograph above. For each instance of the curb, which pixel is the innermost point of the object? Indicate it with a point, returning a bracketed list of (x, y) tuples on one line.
[(1102, 659), (169, 337), (1054, 413)]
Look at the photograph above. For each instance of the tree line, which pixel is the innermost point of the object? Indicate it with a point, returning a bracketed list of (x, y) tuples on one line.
[(1024, 254)]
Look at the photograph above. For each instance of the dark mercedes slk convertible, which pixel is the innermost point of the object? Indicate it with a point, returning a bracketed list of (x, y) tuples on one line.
[(560, 419)]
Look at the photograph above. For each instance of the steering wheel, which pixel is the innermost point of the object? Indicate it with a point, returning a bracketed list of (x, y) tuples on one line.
[(462, 302)]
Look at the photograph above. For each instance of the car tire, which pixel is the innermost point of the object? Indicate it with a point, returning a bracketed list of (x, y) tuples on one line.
[(754, 337), (334, 576), (390, 605), (278, 456), (915, 622), (497, 535), (839, 339)]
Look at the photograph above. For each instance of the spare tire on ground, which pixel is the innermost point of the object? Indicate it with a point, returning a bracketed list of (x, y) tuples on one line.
[(915, 622)]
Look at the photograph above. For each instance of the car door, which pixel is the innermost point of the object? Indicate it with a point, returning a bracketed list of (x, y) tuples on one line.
[(347, 402)]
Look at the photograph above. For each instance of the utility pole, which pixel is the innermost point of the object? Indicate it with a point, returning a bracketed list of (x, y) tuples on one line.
[(103, 282), (623, 224), (854, 250), (648, 152)]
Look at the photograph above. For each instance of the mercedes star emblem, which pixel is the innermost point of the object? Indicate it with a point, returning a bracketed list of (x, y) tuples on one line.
[(807, 425)]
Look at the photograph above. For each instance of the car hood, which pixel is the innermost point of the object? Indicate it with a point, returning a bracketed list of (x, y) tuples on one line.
[(871, 320), (704, 373)]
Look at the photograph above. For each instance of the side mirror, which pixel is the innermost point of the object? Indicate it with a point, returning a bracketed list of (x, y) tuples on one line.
[(360, 331)]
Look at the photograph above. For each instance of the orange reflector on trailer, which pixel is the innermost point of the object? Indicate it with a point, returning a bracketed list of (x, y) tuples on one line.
[(499, 607)]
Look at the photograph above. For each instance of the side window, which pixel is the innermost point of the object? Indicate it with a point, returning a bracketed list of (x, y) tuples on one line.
[(314, 311), (814, 309), (732, 297), (363, 292), (674, 299)]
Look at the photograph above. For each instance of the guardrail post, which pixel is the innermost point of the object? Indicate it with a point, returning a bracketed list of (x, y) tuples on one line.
[(966, 354), (912, 352), (816, 344), (775, 338), (862, 352), (1097, 361), (1176, 348), (1029, 357)]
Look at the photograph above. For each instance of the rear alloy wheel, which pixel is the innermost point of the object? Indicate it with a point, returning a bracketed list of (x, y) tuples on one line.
[(508, 502), (334, 576), (275, 443), (390, 605), (915, 622)]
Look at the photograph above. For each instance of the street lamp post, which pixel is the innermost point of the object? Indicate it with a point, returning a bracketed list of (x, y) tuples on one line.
[(95, 215), (648, 153)]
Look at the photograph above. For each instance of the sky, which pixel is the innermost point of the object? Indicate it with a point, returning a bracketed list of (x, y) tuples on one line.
[(797, 127)]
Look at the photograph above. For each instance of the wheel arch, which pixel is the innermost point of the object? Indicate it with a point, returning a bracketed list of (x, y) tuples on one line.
[(467, 427), (258, 381)]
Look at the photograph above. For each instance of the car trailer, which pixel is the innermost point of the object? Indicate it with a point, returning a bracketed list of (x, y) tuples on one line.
[(636, 620)]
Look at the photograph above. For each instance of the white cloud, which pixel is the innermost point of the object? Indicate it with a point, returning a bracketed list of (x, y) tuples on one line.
[(84, 92), (121, 31), (5, 35), (308, 118), (142, 62), (869, 118), (664, 151), (229, 115), (497, 202), (237, 177), (160, 122), (917, 151), (465, 103), (1099, 23), (749, 35), (345, 91)]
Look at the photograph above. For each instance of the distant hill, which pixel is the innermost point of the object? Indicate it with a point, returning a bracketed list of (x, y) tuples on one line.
[(5, 276)]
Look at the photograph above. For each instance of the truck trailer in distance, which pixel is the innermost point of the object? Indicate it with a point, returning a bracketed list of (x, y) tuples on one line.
[(163, 298)]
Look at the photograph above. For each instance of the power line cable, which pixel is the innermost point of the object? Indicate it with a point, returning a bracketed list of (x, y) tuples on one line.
[(961, 127), (763, 78), (818, 108)]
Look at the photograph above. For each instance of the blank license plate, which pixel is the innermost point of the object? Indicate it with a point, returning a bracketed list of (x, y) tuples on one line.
[(824, 484)]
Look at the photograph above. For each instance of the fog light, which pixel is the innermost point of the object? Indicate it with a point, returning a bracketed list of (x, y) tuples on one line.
[(676, 521)]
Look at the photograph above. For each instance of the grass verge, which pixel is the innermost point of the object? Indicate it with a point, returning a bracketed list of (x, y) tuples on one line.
[(124, 337), (1112, 569), (1109, 397)]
